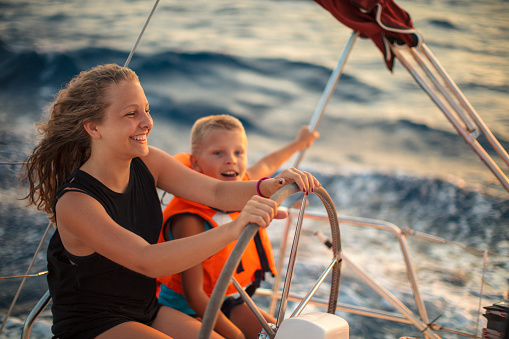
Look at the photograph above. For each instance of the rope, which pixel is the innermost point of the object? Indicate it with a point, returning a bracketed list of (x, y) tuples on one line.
[(25, 275), (12, 163), (162, 199)]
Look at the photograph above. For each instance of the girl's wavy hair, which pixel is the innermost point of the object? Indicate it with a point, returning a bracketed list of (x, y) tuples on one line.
[(64, 144)]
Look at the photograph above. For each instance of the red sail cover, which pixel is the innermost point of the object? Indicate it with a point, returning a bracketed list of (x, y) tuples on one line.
[(382, 21)]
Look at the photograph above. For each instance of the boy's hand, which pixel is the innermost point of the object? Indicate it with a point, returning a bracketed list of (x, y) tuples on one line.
[(305, 137)]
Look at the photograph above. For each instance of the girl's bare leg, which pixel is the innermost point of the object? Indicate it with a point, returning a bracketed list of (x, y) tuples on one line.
[(132, 330), (178, 325), (169, 323)]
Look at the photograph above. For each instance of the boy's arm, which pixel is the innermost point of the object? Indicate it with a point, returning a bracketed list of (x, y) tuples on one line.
[(192, 279), (269, 164), (192, 282)]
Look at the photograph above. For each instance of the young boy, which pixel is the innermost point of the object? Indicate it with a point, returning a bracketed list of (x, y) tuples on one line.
[(218, 149)]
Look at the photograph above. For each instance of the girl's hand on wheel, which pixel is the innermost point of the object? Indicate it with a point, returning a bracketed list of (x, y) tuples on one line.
[(306, 182)]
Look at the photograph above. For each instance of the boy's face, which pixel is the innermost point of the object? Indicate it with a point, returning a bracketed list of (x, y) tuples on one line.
[(222, 155)]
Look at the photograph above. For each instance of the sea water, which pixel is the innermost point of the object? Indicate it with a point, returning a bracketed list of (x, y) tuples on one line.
[(385, 151)]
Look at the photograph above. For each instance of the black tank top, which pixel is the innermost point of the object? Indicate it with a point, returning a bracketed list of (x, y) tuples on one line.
[(92, 294)]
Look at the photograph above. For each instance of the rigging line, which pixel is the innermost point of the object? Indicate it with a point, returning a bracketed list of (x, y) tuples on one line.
[(25, 275), (49, 225), (13, 163), (24, 279), (141, 34), (430, 325), (485, 263), (136, 45), (439, 240), (125, 65)]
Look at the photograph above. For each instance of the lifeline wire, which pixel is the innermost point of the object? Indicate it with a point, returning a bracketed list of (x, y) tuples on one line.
[(439, 240), (44, 237), (485, 263), (12, 163), (141, 34)]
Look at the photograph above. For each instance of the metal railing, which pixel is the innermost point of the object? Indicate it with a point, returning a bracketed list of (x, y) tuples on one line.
[(36, 311), (405, 315)]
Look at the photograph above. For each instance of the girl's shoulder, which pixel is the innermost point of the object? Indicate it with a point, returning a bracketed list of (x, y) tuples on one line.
[(157, 159)]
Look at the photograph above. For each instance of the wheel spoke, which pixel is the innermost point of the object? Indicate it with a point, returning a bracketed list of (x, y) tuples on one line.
[(291, 263), (313, 290), (225, 277), (249, 302)]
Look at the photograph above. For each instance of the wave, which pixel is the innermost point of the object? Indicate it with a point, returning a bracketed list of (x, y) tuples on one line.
[(32, 68), (430, 205), (270, 96), (182, 87), (31, 71), (443, 208), (442, 23), (36, 76)]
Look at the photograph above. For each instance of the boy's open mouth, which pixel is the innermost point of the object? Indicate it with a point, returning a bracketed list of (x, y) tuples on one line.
[(230, 174)]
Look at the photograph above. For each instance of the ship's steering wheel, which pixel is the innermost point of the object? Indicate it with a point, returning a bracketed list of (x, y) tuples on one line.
[(250, 230)]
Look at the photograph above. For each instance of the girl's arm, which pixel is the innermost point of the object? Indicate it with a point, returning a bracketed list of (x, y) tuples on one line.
[(267, 165), (85, 228), (192, 279), (173, 177)]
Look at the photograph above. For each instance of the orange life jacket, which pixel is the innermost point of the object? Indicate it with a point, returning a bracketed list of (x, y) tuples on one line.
[(255, 262)]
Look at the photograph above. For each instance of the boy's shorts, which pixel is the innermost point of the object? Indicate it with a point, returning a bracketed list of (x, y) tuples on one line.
[(229, 303)]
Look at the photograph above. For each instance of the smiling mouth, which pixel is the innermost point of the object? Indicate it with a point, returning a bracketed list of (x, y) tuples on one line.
[(230, 174), (140, 137)]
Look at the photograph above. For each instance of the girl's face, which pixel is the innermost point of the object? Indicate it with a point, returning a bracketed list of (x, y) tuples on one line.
[(127, 122), (222, 155)]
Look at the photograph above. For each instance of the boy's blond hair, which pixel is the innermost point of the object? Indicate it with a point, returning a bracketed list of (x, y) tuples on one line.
[(205, 124)]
